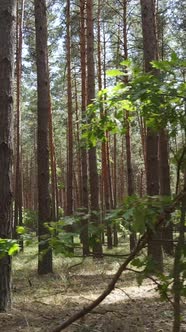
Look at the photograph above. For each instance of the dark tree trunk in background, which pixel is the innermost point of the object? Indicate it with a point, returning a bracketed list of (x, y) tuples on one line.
[(52, 162), (115, 242), (7, 41), (93, 174), (150, 54), (165, 190), (44, 202), (78, 150)]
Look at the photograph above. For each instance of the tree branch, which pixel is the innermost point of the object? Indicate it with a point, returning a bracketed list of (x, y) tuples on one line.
[(140, 245)]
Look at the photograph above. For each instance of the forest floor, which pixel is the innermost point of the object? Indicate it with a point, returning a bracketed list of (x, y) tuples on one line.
[(40, 303)]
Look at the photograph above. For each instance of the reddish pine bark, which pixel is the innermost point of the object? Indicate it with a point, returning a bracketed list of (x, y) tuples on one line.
[(150, 54)]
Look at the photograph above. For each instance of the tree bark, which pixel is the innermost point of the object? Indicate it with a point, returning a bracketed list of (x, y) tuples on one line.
[(84, 161), (93, 174), (130, 178), (18, 169), (7, 47), (52, 161), (104, 155), (69, 209), (150, 49), (44, 201)]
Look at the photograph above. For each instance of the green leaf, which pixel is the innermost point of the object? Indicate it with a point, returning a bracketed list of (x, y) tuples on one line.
[(126, 63), (174, 57), (114, 72), (139, 214), (20, 230), (13, 249), (137, 262)]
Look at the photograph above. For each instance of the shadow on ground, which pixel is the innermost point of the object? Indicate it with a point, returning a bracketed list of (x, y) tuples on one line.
[(41, 303)]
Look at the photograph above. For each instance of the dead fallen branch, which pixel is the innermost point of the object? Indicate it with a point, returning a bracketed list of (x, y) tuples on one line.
[(140, 245)]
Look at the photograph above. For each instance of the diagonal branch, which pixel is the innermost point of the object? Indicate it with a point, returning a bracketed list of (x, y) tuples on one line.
[(140, 245)]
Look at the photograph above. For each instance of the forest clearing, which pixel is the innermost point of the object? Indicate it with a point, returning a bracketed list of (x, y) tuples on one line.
[(93, 165)]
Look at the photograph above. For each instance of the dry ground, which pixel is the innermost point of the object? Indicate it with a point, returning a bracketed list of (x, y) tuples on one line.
[(41, 303)]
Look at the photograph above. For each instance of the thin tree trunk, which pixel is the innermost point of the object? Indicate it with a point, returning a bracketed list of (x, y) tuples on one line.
[(167, 234), (78, 151), (93, 174), (115, 189), (121, 173), (105, 174), (69, 209), (109, 189), (52, 161), (142, 128), (69, 199), (130, 176), (18, 170), (84, 162)]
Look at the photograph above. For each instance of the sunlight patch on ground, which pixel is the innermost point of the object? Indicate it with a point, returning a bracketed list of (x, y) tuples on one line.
[(118, 295)]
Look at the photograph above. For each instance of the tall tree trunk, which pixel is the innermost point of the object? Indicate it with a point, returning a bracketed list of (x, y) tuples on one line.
[(70, 177), (44, 202), (127, 135), (18, 170), (7, 43), (105, 173), (150, 54), (69, 209), (93, 174), (167, 233), (84, 168), (78, 150)]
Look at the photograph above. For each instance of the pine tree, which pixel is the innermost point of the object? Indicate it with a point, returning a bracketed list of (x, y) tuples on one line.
[(44, 202), (150, 50), (7, 48), (93, 173)]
